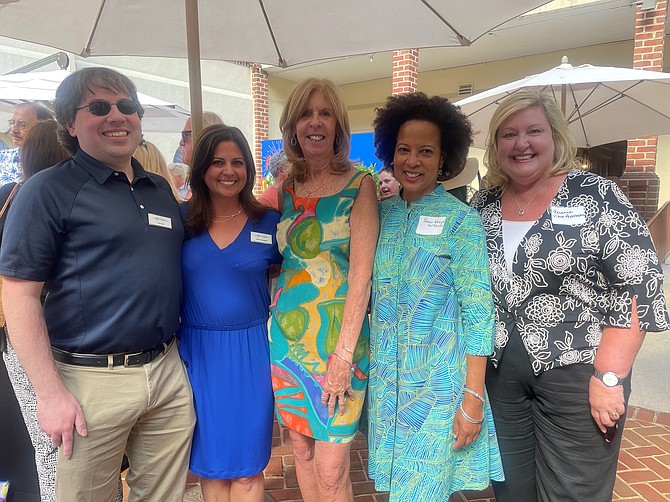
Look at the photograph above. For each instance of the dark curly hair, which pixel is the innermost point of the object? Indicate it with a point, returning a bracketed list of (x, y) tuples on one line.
[(454, 126)]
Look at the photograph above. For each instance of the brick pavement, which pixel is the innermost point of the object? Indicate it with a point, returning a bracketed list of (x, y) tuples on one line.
[(643, 474)]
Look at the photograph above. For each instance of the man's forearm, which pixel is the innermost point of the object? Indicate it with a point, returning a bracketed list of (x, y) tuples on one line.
[(28, 334)]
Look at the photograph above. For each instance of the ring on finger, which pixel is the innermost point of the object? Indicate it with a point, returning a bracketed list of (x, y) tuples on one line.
[(614, 415)]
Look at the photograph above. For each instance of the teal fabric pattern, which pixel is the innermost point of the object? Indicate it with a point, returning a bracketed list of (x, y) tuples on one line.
[(432, 307)]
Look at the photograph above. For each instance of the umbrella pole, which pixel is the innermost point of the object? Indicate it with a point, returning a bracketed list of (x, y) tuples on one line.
[(194, 74), (564, 89)]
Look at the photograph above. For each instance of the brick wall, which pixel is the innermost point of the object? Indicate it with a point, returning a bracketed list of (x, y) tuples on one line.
[(405, 71), (640, 181), (642, 189), (259, 93)]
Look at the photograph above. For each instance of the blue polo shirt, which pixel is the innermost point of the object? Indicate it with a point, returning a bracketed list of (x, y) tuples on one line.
[(108, 250)]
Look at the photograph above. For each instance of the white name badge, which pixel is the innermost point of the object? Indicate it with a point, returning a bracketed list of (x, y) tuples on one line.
[(568, 215), (261, 238), (430, 225), (160, 221)]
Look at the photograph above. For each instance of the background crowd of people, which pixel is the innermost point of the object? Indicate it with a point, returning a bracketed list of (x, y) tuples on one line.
[(163, 315)]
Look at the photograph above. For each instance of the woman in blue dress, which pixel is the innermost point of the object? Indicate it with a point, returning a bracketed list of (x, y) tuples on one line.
[(226, 259), (431, 429)]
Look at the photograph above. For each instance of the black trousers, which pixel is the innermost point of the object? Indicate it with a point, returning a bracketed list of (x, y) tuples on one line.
[(17, 456), (551, 448)]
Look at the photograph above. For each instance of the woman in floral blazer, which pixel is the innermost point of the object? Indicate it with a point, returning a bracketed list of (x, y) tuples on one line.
[(577, 284)]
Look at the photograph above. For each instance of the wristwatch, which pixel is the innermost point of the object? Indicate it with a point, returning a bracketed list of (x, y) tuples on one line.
[(609, 378)]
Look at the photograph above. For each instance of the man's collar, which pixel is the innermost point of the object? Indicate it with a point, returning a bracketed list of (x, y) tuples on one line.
[(101, 173)]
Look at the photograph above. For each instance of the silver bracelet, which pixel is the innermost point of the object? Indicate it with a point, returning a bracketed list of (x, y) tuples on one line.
[(340, 357), (349, 350), (468, 417), (473, 393)]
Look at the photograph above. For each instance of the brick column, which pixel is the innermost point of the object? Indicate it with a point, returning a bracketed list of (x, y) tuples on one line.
[(259, 94), (405, 71), (640, 181)]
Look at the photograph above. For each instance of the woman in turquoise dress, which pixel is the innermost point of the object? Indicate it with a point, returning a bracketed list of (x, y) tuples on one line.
[(223, 337), (319, 330), (431, 431)]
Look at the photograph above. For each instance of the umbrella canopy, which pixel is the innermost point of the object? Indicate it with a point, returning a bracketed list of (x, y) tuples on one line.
[(159, 116), (277, 32), (602, 104)]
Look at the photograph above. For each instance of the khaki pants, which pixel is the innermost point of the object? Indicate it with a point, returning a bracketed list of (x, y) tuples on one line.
[(146, 411)]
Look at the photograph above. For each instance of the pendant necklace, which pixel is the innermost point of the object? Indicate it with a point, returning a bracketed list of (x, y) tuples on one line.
[(223, 219), (310, 192), (522, 211)]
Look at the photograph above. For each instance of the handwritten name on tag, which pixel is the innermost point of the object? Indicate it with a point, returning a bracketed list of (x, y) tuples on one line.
[(156, 220), (568, 215), (261, 238), (430, 225)]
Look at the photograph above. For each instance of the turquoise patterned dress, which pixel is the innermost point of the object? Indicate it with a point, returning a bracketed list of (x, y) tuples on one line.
[(431, 308)]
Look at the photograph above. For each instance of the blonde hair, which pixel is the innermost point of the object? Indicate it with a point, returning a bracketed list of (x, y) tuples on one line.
[(565, 148), (297, 103), (152, 160)]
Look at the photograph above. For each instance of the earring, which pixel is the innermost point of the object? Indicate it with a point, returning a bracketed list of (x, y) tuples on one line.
[(439, 172), (294, 141), (338, 140)]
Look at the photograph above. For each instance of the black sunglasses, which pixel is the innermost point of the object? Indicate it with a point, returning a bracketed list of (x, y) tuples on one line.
[(185, 135), (102, 108)]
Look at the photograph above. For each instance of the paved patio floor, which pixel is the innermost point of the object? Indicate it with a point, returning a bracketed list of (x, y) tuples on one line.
[(643, 474)]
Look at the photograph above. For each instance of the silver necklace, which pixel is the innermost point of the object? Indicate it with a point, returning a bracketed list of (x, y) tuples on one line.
[(223, 219), (522, 211), (310, 192)]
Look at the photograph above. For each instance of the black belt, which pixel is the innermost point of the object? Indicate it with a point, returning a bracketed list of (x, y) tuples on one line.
[(111, 360)]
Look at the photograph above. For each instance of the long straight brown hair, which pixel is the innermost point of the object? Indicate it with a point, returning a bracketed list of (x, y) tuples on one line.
[(200, 207)]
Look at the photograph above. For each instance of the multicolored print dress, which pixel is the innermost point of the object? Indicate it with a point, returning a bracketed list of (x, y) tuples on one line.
[(313, 237)]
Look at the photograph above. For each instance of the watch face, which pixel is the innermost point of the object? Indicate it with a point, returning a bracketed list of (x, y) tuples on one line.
[(610, 379)]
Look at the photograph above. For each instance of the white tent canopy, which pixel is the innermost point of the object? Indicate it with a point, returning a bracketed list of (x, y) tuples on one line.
[(602, 104), (276, 32)]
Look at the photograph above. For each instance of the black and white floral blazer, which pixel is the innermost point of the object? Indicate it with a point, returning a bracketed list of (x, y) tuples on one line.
[(575, 271)]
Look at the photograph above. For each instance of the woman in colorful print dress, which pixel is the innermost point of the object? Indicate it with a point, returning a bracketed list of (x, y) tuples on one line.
[(223, 338), (576, 284), (431, 429), (319, 331)]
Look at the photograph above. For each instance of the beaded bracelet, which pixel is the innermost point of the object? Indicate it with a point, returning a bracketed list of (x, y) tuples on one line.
[(468, 417), (473, 393)]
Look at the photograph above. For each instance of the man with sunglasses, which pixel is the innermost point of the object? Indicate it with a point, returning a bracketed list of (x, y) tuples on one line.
[(25, 116), (104, 237)]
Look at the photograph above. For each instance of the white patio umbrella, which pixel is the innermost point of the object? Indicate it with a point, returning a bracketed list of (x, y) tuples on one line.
[(159, 116), (276, 32), (602, 104)]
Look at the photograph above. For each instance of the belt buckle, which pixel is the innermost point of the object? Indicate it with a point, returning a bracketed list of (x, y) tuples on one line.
[(126, 359)]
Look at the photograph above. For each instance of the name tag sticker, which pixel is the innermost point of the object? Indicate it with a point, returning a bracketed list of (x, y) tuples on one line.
[(430, 225), (568, 215), (261, 238), (160, 221)]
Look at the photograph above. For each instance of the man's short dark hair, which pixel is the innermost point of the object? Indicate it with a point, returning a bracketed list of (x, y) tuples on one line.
[(72, 91), (387, 169)]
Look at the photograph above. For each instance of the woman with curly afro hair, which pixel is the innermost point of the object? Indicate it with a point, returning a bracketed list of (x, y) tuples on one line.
[(431, 431)]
